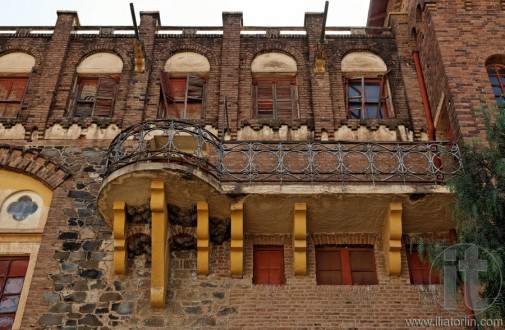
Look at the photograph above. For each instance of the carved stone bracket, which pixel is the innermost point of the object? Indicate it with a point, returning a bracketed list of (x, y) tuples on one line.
[(237, 239), (300, 238), (140, 57), (119, 229), (392, 235), (159, 242), (202, 234), (320, 60)]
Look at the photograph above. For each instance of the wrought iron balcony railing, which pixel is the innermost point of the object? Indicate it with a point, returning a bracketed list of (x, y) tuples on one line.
[(345, 162)]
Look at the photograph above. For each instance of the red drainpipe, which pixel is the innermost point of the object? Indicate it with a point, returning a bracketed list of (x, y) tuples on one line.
[(469, 311), (427, 110)]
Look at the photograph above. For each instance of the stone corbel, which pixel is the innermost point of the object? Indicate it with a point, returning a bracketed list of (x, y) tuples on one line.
[(202, 234), (140, 57), (119, 230), (300, 239), (237, 239), (159, 244), (392, 235)]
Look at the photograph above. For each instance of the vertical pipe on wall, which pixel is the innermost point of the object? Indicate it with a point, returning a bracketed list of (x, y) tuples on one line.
[(427, 110)]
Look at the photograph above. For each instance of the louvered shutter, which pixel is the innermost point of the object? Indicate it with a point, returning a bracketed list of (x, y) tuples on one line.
[(284, 99), (105, 97), (264, 99)]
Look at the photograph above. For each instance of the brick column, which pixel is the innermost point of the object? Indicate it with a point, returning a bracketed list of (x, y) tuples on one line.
[(49, 73), (414, 103), (230, 60), (320, 85), (137, 89)]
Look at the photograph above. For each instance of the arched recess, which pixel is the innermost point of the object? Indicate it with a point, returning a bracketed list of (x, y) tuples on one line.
[(366, 64), (273, 64), (274, 91), (183, 83), (367, 91), (15, 70), (16, 64), (100, 64)]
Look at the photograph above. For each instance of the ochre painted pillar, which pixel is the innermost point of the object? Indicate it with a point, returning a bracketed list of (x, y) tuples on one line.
[(392, 237), (119, 238), (300, 239), (202, 234), (237, 239), (159, 245)]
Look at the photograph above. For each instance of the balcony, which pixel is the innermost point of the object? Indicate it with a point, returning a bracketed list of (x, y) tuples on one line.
[(347, 186), (285, 162)]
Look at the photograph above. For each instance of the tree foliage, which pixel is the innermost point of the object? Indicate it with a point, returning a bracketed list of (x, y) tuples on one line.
[(479, 207)]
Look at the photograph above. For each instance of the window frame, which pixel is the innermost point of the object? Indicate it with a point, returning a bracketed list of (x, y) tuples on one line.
[(2, 285), (413, 253), (275, 100), (499, 76), (77, 90), (345, 265), (383, 102), (267, 248)]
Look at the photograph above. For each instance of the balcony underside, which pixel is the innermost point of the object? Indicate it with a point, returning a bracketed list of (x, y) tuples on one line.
[(268, 208)]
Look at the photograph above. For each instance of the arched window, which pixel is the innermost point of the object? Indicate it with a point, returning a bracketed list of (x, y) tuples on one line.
[(15, 70), (274, 92), (183, 85), (366, 87), (496, 73), (96, 85)]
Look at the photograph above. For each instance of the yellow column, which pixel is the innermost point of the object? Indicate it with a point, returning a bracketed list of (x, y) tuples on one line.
[(202, 234), (160, 249), (300, 238), (119, 230), (392, 237), (237, 239)]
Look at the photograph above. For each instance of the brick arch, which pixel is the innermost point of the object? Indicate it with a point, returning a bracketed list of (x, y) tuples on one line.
[(269, 48), (167, 53), (387, 58), (16, 159), (134, 229), (78, 57), (23, 49), (177, 230)]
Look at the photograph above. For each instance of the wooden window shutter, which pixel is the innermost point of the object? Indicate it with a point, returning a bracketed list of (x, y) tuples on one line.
[(284, 99), (11, 95), (168, 97), (328, 267), (264, 99), (420, 271), (105, 97), (268, 265)]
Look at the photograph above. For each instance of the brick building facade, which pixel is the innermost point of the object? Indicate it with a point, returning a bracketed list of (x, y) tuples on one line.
[(218, 177)]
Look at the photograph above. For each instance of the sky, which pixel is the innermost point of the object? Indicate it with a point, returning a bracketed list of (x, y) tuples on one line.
[(183, 12)]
